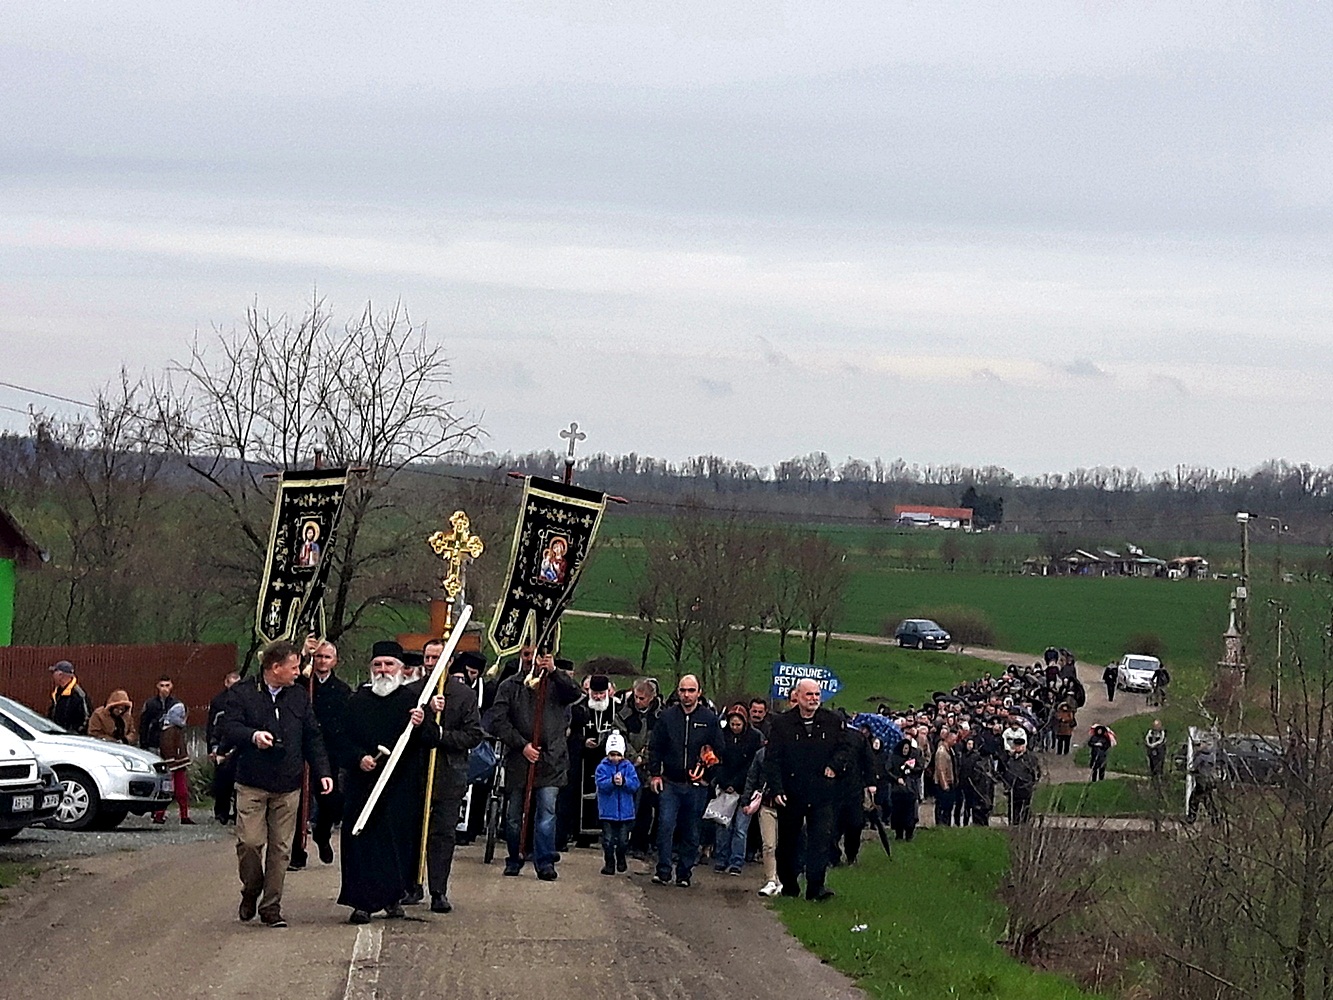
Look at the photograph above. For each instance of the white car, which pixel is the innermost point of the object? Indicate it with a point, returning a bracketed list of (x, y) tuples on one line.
[(1135, 671), (102, 782), (29, 791)]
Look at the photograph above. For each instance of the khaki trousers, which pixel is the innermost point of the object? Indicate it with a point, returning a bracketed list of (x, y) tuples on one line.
[(265, 819), (768, 830)]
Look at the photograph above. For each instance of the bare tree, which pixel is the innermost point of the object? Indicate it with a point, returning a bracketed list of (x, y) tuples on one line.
[(270, 396)]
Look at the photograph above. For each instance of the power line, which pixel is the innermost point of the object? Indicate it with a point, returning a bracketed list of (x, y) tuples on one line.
[(49, 395)]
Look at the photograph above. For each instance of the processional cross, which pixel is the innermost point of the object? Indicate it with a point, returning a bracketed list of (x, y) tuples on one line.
[(453, 546), (575, 436)]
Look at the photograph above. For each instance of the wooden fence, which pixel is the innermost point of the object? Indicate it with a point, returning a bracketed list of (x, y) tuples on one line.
[(196, 671)]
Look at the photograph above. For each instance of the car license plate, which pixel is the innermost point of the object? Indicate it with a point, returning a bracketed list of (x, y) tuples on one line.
[(22, 803), (51, 801)]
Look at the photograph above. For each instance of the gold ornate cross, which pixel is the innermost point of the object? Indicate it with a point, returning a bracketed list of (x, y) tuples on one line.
[(452, 547)]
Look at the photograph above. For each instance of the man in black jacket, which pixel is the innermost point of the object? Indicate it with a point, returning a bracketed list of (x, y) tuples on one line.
[(223, 757), (273, 728), (807, 754), (680, 753), (329, 694), (70, 705), (154, 711), (460, 731)]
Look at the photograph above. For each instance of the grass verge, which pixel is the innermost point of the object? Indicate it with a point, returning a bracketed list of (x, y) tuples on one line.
[(930, 920), (14, 872), (1114, 797)]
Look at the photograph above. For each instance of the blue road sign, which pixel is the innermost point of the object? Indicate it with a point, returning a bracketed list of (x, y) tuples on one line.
[(785, 676)]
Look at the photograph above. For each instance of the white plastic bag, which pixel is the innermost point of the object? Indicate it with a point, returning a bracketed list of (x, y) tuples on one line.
[(722, 807)]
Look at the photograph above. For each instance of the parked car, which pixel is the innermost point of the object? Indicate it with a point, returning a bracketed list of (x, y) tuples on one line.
[(922, 633), (102, 782), (29, 790), (1134, 672), (1254, 760)]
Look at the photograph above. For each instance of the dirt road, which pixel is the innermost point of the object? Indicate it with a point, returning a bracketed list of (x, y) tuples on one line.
[(160, 924)]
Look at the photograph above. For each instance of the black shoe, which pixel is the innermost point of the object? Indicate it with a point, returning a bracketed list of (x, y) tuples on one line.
[(512, 868), (821, 896), (439, 903), (794, 893), (621, 866), (272, 920), (249, 907), (547, 874), (325, 852), (608, 869), (414, 896), (394, 913), (296, 864), (661, 879), (683, 883), (359, 917)]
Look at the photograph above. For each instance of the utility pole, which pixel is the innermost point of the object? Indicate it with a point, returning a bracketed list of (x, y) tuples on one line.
[(1243, 591)]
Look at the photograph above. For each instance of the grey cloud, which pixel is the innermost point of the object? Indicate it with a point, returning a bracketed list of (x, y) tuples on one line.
[(1083, 368), (716, 388)]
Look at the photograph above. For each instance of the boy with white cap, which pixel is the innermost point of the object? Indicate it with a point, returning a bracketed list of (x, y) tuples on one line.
[(617, 786)]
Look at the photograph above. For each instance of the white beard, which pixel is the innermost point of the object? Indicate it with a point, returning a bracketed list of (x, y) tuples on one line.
[(599, 704), (386, 684)]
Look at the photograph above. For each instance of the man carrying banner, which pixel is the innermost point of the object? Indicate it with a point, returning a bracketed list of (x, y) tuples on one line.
[(380, 863), (515, 721)]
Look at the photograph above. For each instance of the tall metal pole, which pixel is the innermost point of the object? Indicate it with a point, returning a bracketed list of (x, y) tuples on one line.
[(1243, 593)]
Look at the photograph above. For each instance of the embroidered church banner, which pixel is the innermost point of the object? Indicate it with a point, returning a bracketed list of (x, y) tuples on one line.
[(300, 548), (555, 530)]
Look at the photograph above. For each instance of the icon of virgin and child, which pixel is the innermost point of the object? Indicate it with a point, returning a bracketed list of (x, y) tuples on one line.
[(553, 566)]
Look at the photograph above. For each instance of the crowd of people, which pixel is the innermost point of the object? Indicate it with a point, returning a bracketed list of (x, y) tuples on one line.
[(668, 778)]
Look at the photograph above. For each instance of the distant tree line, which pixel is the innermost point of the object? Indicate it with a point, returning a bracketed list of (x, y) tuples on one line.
[(1186, 502)]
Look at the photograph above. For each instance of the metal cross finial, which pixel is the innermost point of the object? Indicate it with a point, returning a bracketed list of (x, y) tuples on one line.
[(452, 546), (574, 435)]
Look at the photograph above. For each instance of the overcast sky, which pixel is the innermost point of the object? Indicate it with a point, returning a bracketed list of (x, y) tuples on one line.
[(1033, 235)]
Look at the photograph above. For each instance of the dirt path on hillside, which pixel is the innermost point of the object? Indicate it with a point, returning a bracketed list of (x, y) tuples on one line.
[(160, 924)]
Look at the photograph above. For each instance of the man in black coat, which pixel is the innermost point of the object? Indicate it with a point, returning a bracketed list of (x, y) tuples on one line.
[(330, 694), (460, 731), (273, 728), (223, 757), (807, 754), (514, 722)]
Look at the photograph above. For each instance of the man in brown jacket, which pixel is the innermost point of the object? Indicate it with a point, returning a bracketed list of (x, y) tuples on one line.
[(946, 785), (114, 721)]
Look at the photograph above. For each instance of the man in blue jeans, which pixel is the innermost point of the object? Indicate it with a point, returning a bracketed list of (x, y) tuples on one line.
[(546, 754), (680, 754)]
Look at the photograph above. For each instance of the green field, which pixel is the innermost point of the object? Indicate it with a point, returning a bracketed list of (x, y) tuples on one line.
[(1092, 616), (1113, 797), (931, 922), (869, 674)]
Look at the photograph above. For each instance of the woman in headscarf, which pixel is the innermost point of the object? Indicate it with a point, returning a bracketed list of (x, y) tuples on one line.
[(903, 770)]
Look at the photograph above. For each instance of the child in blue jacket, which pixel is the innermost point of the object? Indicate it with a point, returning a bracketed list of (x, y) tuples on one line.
[(617, 789)]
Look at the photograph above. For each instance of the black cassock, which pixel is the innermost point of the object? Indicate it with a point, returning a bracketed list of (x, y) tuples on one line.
[(379, 863)]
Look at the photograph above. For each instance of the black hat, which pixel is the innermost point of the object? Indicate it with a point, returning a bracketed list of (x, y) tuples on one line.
[(599, 682), (465, 659), (387, 647), (412, 659), (564, 664), (1018, 739)]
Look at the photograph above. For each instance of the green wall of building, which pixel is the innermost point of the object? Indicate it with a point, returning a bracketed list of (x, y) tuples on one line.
[(6, 601)]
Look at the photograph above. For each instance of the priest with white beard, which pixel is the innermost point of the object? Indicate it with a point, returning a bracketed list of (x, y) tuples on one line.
[(380, 863)]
